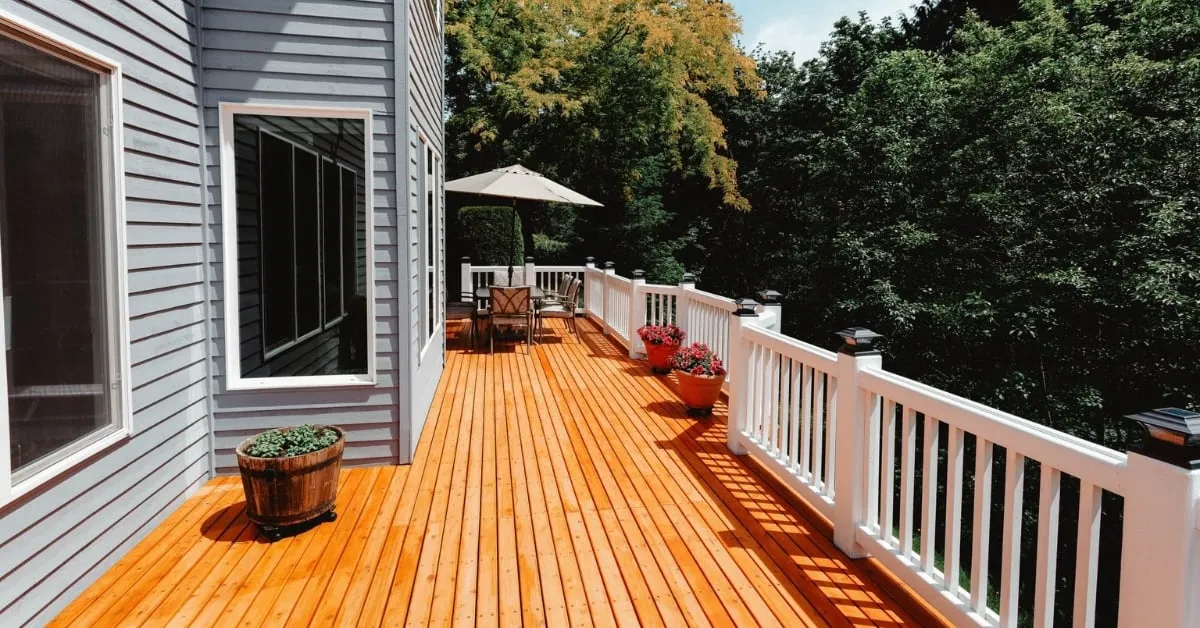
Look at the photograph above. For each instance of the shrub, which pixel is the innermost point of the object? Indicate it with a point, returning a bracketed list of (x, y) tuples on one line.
[(294, 442), (486, 234), (698, 359), (661, 335)]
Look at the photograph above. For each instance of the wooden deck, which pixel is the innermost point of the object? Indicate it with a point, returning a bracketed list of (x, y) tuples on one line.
[(562, 486)]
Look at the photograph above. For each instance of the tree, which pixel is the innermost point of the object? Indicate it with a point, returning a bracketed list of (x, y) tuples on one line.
[(609, 97)]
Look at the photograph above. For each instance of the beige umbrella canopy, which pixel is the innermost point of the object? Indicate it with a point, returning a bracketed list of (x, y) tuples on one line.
[(518, 182)]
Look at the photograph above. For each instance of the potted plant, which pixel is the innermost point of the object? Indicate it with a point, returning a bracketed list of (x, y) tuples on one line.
[(700, 374), (661, 343), (290, 476)]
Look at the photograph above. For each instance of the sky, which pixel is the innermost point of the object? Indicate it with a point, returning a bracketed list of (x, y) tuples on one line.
[(801, 25)]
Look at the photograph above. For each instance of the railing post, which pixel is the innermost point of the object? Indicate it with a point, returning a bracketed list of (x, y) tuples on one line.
[(467, 291), (773, 302), (850, 420), (681, 301), (588, 264), (637, 314), (1160, 549), (739, 376), (609, 271), (530, 278)]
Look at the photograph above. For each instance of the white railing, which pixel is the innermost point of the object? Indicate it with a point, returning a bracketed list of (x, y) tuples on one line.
[(896, 464), (661, 304), (792, 402), (550, 278), (707, 318), (897, 408), (618, 300)]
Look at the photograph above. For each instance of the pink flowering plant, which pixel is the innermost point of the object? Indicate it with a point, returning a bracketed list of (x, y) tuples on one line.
[(698, 359), (661, 335)]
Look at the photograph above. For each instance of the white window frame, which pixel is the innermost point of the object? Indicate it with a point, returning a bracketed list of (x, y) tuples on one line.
[(112, 195), (430, 180), (229, 223)]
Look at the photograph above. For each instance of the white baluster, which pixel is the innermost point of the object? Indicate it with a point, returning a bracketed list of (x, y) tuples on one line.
[(1010, 573), (1047, 548), (981, 530), (954, 492), (929, 495)]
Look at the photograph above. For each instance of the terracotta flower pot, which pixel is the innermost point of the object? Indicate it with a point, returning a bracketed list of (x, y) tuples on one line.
[(659, 356), (699, 392), (284, 492)]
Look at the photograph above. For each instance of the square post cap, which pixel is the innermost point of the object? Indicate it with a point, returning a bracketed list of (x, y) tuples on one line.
[(589, 259), (466, 259), (1172, 436), (746, 307), (688, 278), (529, 259), (609, 265), (639, 274), (858, 341), (770, 297)]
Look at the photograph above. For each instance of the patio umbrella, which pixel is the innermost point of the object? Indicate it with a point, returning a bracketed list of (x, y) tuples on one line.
[(518, 182)]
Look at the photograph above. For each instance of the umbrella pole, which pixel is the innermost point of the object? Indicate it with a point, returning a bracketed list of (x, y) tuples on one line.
[(513, 241)]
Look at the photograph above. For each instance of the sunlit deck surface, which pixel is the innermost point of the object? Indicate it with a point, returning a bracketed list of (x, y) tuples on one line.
[(563, 486)]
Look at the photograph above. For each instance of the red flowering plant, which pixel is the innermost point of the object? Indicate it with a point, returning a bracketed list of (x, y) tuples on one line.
[(661, 335), (698, 359)]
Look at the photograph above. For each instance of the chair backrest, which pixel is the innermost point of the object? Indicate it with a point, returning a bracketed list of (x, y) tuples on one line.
[(572, 294), (509, 301)]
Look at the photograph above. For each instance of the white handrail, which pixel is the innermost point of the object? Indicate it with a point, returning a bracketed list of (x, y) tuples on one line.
[(1082, 459), (714, 300)]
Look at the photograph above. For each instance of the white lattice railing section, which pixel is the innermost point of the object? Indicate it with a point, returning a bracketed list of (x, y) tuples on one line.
[(661, 301), (617, 298), (707, 319), (905, 532), (550, 278), (792, 407), (593, 292), (484, 276)]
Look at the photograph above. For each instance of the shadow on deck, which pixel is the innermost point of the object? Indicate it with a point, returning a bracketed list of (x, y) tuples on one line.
[(562, 484)]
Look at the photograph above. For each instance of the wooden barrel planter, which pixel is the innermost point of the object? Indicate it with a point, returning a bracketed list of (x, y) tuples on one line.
[(285, 492)]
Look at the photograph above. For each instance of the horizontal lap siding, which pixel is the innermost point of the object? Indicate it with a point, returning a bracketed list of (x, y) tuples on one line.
[(57, 540), (424, 92), (328, 53)]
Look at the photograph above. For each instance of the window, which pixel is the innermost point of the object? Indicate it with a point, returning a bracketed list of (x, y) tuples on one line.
[(65, 367), (430, 242), (300, 220)]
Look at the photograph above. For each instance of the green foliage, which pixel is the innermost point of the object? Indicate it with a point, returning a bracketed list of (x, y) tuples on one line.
[(296, 441), (486, 234)]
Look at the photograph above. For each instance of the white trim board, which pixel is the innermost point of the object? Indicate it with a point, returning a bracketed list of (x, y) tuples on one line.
[(229, 223)]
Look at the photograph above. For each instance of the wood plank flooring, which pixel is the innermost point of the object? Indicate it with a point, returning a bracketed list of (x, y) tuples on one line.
[(562, 485)]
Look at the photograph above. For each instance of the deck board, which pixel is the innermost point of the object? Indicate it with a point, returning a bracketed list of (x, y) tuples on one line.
[(562, 485)]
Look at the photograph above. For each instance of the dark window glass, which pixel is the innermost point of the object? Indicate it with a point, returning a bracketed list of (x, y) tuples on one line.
[(351, 214), (308, 243), (277, 242), (52, 234), (331, 208)]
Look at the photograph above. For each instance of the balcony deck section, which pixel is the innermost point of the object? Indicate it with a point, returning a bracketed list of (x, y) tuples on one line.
[(563, 485)]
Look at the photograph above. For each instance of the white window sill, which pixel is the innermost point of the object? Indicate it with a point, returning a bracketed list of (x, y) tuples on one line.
[(100, 441), (294, 382)]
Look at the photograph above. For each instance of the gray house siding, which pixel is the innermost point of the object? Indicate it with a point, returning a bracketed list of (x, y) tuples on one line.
[(58, 539), (423, 93), (338, 53)]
